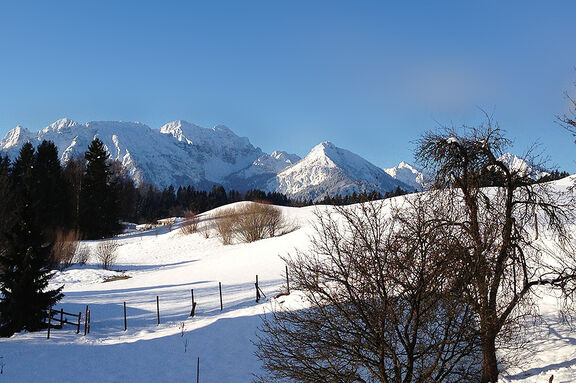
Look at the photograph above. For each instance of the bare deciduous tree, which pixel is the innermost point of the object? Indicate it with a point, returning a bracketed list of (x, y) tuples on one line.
[(107, 252), (568, 120), (500, 230), (381, 302), (82, 255)]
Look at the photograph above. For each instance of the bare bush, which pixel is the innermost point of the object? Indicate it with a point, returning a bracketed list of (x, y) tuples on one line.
[(82, 255), (251, 222), (106, 253), (65, 245), (225, 225), (190, 225), (255, 221)]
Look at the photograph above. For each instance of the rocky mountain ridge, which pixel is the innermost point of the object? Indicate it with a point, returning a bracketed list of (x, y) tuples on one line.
[(181, 153)]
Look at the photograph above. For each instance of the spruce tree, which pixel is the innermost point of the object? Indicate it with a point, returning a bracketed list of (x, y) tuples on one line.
[(6, 205), (52, 191), (98, 202), (25, 258)]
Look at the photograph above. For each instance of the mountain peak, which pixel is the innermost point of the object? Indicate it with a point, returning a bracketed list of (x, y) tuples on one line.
[(222, 128), (324, 145), (60, 125), (15, 137), (330, 170), (521, 166), (408, 174)]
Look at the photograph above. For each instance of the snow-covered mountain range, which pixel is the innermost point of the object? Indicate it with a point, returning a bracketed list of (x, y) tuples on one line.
[(329, 170), (408, 174), (181, 154)]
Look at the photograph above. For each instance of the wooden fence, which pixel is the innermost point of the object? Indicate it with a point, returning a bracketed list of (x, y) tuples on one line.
[(61, 317)]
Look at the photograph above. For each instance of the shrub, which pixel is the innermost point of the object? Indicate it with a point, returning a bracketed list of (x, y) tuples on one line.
[(190, 225), (65, 245), (257, 221), (225, 226), (106, 252), (82, 254), (251, 222)]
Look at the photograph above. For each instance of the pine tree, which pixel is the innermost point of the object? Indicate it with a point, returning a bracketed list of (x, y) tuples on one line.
[(25, 259), (6, 205), (52, 191), (98, 203)]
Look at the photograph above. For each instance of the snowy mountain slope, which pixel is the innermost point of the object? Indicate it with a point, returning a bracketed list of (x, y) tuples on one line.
[(261, 170), (219, 150), (519, 164), (167, 265), (329, 170), (179, 154), (408, 174)]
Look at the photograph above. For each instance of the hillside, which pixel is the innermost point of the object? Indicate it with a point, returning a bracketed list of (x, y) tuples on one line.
[(169, 264)]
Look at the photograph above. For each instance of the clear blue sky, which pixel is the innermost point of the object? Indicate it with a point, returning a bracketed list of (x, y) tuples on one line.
[(370, 76)]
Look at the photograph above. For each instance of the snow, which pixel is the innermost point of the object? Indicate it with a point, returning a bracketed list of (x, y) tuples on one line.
[(520, 165), (408, 174), (168, 264), (181, 154), (330, 170), (452, 140)]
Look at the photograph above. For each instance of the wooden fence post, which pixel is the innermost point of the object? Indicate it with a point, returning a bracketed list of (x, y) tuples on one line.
[(86, 321), (221, 304), (61, 318), (257, 290), (49, 321), (125, 323), (198, 371), (79, 318), (89, 320), (158, 308), (287, 281), (193, 311)]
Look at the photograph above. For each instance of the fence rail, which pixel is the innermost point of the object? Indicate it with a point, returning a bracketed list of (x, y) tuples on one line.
[(62, 317)]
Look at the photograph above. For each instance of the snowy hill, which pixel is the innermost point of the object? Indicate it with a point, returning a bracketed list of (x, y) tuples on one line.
[(329, 170), (167, 265), (408, 174)]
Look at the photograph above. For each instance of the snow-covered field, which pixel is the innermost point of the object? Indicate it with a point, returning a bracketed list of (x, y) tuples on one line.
[(169, 264)]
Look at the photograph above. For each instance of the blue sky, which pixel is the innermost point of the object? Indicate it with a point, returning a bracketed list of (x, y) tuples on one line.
[(370, 76)]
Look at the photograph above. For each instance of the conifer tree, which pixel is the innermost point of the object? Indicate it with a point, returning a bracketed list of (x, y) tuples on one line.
[(98, 202), (51, 192), (6, 206), (25, 258)]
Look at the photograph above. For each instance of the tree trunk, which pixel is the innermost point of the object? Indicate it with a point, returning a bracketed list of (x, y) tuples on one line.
[(489, 362)]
